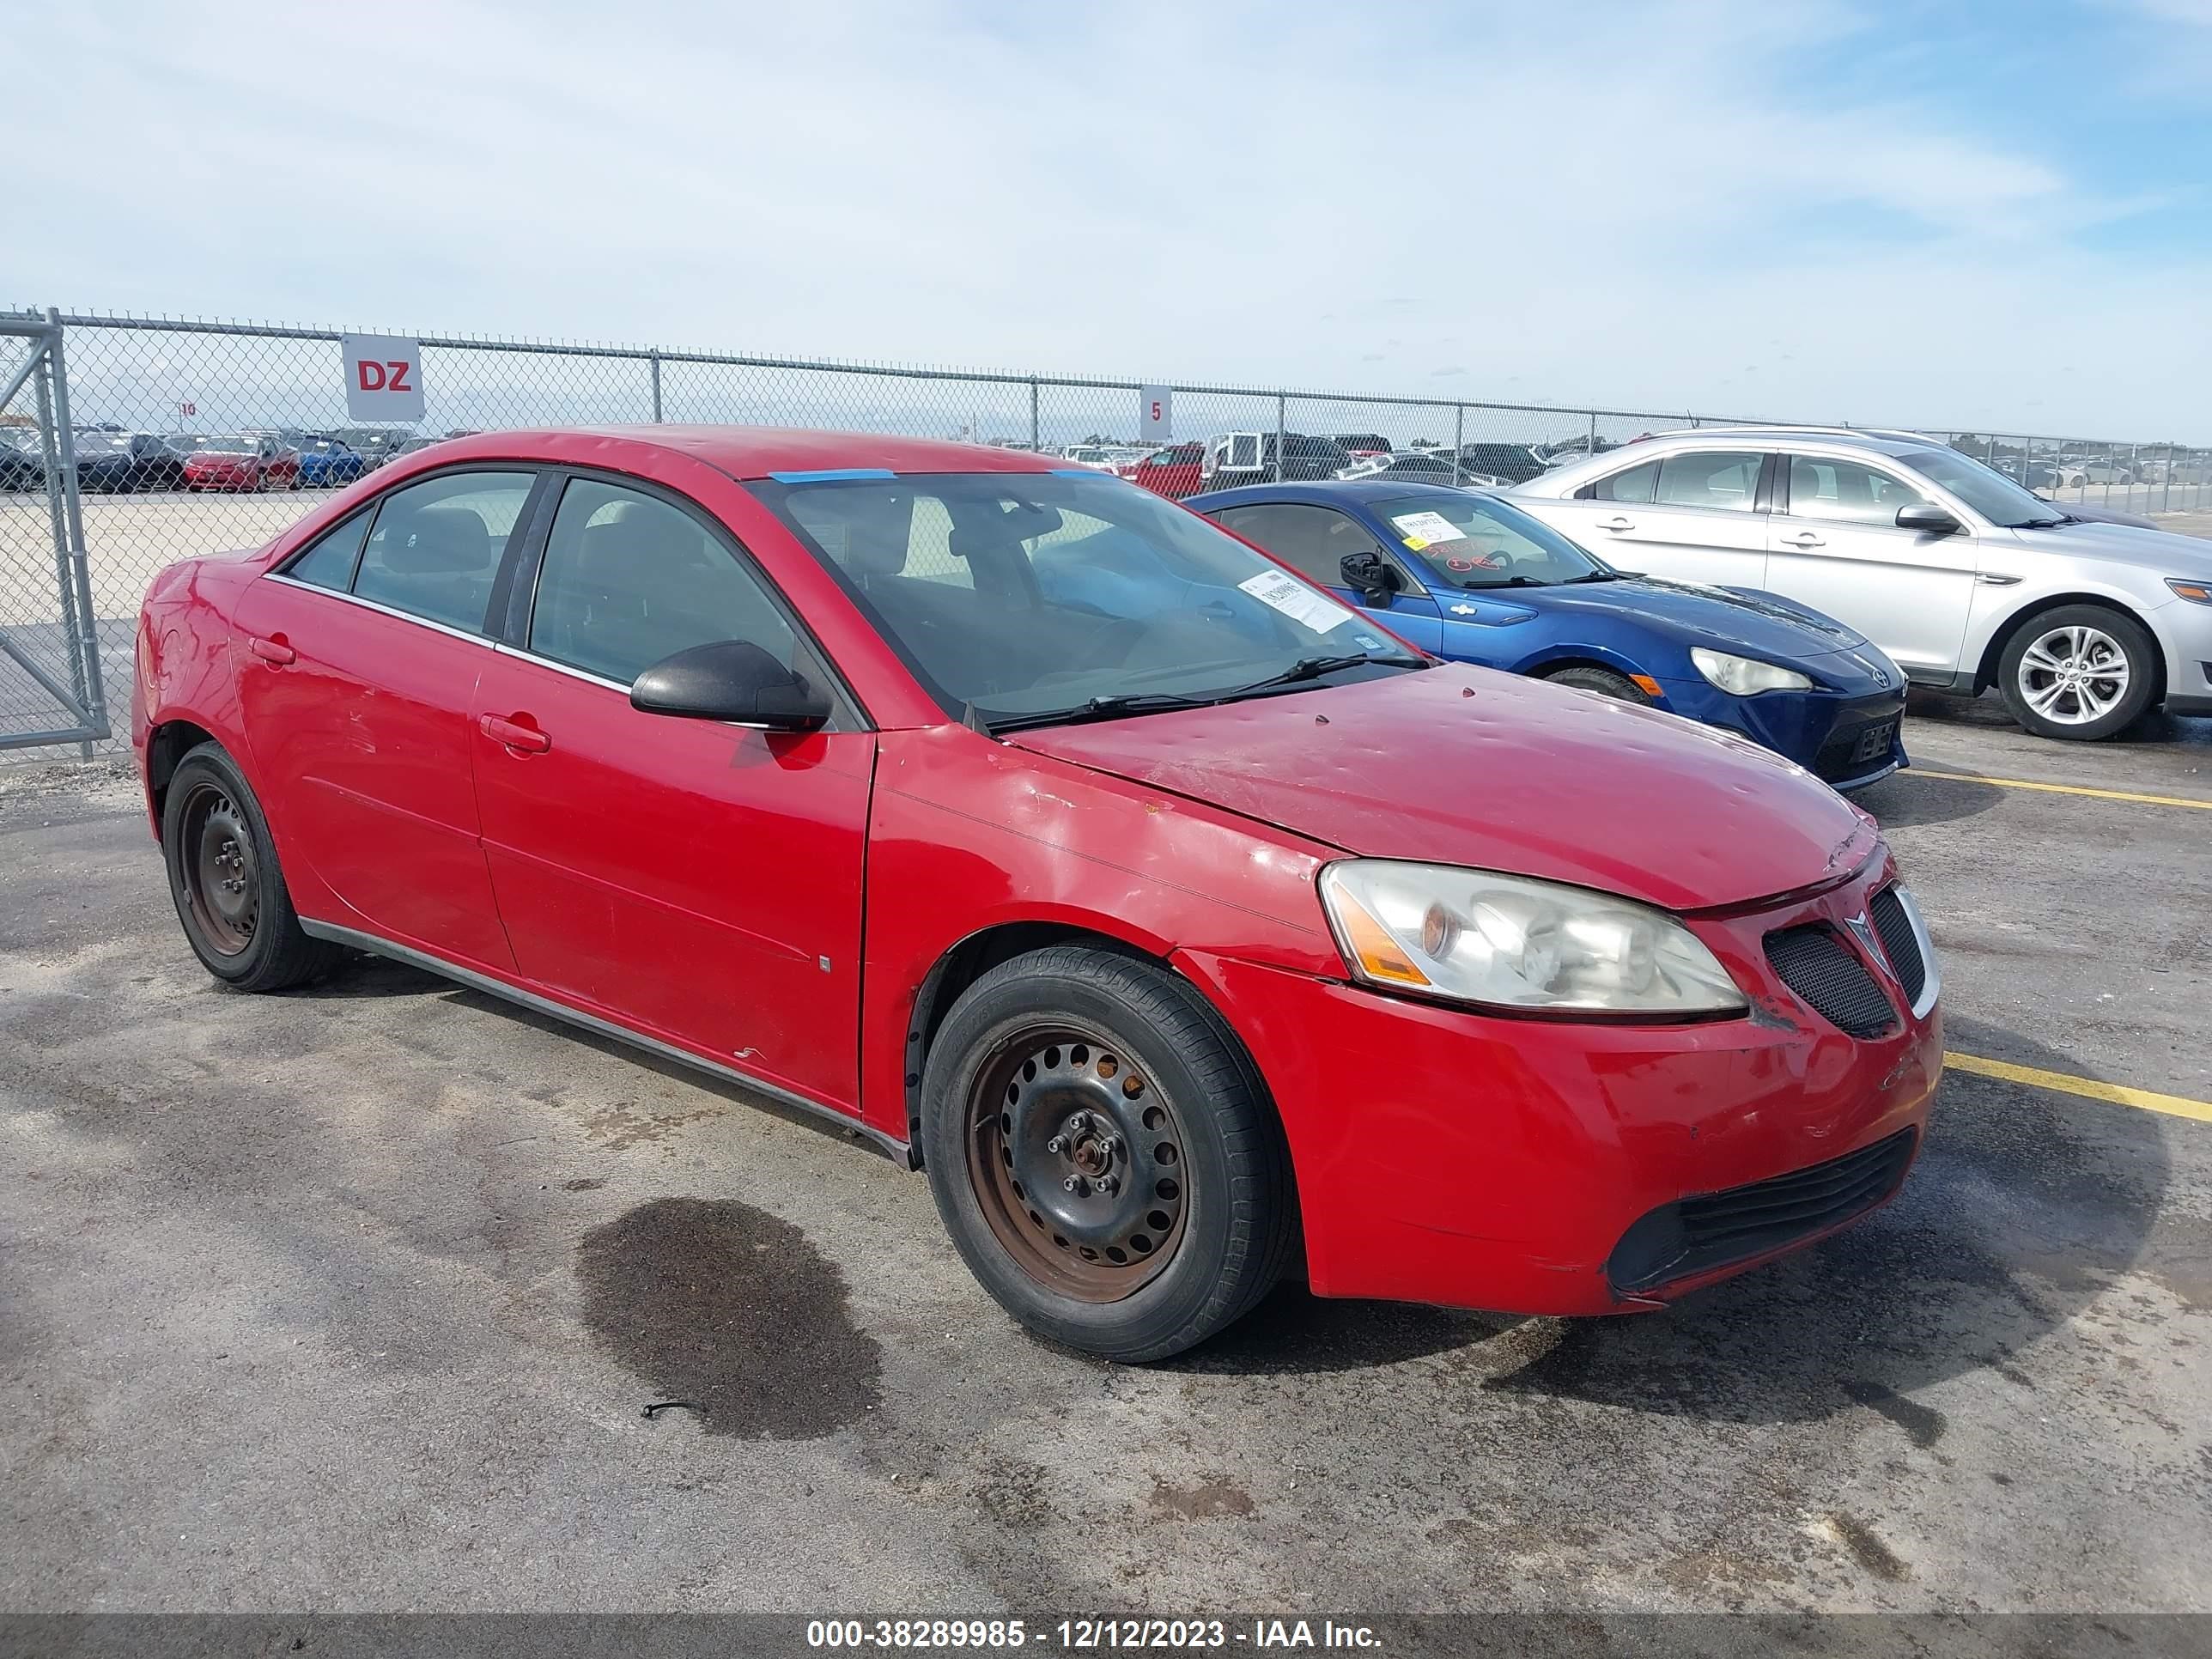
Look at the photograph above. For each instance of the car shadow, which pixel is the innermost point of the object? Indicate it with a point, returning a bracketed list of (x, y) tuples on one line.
[(2024, 1205), (1908, 798)]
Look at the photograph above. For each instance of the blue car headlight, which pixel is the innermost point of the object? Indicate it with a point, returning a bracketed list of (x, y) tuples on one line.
[(1746, 677)]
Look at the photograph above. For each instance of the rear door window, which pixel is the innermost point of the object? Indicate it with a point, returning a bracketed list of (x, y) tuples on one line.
[(1639, 484), (437, 545), (1721, 478)]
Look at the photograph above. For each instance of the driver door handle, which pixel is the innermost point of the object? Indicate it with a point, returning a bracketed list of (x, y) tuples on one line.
[(1616, 522), (272, 651), (525, 740), (1803, 538)]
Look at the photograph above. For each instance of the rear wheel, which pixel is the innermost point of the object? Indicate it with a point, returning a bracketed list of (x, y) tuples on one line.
[(2080, 671), (1603, 681), (1102, 1152), (225, 881)]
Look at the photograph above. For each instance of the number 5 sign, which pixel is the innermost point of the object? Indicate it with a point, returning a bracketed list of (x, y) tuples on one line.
[(383, 377), (1156, 414)]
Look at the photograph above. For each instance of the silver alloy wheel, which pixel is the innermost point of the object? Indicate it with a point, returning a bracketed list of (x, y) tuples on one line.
[(2074, 675)]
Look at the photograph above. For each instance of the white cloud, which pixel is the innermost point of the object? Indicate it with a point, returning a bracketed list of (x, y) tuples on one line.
[(1646, 206)]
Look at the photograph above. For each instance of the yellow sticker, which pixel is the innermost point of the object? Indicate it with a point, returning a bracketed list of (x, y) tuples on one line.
[(1415, 543)]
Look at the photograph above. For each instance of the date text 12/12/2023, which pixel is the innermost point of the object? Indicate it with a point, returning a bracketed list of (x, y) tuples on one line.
[(1083, 1635)]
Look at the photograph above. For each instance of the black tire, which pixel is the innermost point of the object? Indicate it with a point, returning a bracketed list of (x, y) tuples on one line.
[(249, 938), (1233, 1200), (1603, 681), (2100, 706)]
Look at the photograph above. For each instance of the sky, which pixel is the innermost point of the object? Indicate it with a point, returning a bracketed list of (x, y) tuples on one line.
[(1987, 212)]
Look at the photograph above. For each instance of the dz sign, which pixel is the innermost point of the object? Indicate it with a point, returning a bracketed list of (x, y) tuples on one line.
[(383, 378)]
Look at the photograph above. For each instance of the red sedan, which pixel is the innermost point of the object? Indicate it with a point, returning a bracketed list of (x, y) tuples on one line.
[(1174, 472), (244, 462), (1171, 915)]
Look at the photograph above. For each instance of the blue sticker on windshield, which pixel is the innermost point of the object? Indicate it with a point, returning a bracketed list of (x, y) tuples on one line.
[(832, 474), (1079, 472), (1369, 640)]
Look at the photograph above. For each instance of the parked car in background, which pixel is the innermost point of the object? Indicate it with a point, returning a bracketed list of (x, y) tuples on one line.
[(22, 464), (1496, 466), (1421, 466), (104, 460), (1096, 456), (240, 461), (325, 461), (1472, 577), (156, 464), (1964, 578), (1208, 931), (1172, 472), (1580, 447), (1235, 458), (374, 445), (1361, 445)]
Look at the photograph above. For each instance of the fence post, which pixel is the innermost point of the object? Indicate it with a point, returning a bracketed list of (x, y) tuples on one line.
[(1593, 446), (1035, 446), (1459, 437), (656, 388), (2165, 484), (1282, 451), (73, 565)]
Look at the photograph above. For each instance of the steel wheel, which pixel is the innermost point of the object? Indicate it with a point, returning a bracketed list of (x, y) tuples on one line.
[(222, 881), (2074, 675), (1076, 1161)]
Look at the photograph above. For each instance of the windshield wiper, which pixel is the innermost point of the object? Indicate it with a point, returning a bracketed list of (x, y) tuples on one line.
[(1098, 708), (1510, 582), (1312, 668), (1592, 577)]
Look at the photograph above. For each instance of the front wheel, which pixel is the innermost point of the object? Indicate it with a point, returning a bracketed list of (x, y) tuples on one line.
[(225, 881), (2080, 672), (1101, 1150)]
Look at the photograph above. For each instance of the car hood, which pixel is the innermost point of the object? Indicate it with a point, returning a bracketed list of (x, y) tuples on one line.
[(1743, 620), (2161, 550), (1463, 765)]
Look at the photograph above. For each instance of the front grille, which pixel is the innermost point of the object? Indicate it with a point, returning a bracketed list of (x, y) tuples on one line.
[(1835, 984), (1900, 943), (1856, 749), (1695, 1235)]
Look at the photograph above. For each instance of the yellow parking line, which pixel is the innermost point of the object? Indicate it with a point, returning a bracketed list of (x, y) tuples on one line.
[(2063, 789), (2087, 1087)]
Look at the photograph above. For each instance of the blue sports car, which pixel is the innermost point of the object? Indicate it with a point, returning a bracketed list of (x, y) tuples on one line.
[(1467, 576), (326, 463)]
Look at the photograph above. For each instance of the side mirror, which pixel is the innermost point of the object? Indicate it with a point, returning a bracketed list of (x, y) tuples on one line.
[(1927, 518), (732, 680), (1370, 574)]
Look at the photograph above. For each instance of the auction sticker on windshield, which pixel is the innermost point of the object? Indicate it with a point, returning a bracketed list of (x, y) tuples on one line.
[(1419, 529), (1295, 600)]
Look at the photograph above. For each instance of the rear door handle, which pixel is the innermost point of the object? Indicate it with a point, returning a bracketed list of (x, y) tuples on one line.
[(272, 651), (1803, 538), (1616, 522), (527, 739)]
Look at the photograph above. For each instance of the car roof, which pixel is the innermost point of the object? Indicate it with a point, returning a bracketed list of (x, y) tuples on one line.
[(1887, 440), (758, 451), (1325, 492)]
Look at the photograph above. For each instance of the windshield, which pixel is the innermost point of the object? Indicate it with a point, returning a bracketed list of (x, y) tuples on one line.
[(227, 446), (1990, 494), (1021, 593), (1477, 541)]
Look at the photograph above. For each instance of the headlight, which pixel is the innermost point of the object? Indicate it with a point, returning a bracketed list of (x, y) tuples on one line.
[(1514, 943), (1746, 675)]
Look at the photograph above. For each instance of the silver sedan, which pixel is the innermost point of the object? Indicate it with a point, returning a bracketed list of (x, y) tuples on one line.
[(1967, 580)]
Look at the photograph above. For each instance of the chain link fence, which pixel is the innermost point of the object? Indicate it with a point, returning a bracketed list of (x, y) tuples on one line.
[(191, 437)]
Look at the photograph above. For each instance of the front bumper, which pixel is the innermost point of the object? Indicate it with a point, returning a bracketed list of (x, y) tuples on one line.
[(1451, 1157), (1847, 739)]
